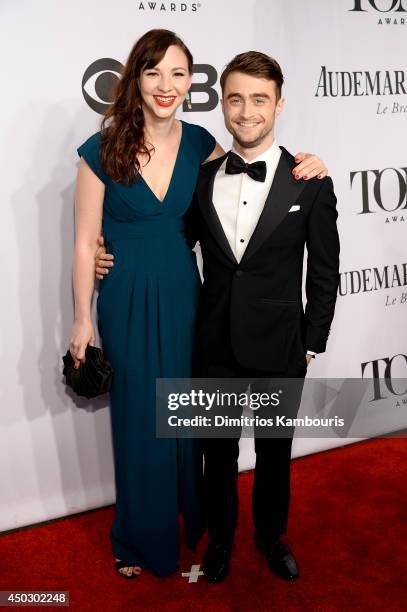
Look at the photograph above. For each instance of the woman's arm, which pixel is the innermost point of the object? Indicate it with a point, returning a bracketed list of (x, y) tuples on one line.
[(88, 222)]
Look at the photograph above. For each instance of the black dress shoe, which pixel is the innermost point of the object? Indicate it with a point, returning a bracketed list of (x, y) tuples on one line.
[(280, 559), (216, 561)]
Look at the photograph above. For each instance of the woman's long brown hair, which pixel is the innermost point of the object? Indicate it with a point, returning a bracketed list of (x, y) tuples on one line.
[(123, 138)]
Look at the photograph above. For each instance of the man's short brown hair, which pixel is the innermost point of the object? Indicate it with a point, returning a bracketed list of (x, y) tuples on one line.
[(255, 64)]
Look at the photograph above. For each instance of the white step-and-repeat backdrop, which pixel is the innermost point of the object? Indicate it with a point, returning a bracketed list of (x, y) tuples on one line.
[(346, 80)]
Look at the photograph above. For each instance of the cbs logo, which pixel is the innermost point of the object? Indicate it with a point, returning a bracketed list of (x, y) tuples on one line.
[(100, 78)]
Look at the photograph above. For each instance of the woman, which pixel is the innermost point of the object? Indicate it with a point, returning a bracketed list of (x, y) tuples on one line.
[(138, 176)]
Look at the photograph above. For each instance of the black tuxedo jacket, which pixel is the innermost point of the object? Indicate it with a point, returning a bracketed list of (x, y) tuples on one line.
[(254, 308)]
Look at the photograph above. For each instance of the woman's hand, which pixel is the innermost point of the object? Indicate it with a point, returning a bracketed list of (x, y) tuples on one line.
[(103, 260), (308, 166), (82, 335)]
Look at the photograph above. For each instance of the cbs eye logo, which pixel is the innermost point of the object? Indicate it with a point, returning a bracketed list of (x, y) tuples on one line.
[(99, 81), (101, 76)]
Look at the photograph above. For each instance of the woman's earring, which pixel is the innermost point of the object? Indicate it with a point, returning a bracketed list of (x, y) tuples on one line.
[(188, 100)]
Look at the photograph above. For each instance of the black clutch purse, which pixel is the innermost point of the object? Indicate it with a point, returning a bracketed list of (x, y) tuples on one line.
[(93, 377)]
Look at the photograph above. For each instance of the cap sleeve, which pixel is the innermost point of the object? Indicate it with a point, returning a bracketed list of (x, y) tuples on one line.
[(208, 143), (90, 151)]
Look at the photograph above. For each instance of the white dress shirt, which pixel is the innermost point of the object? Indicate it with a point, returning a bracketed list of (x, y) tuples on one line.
[(239, 200)]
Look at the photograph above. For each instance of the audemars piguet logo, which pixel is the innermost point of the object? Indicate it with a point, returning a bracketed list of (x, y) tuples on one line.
[(366, 83), (384, 279), (389, 201), (386, 12), (335, 83), (168, 7)]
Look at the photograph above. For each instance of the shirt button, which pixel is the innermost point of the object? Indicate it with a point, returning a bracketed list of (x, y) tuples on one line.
[(245, 203), (241, 240)]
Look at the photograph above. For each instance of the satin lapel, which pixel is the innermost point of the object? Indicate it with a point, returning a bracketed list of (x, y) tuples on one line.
[(284, 192), (204, 191)]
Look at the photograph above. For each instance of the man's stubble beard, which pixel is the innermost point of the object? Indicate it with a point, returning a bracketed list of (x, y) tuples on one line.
[(252, 143)]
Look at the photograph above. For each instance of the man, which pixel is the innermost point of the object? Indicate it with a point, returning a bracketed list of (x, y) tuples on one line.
[(253, 220)]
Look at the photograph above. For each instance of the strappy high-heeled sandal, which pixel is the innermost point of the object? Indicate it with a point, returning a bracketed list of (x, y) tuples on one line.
[(120, 564)]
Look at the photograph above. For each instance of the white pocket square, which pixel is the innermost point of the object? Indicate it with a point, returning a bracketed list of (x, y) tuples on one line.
[(294, 208)]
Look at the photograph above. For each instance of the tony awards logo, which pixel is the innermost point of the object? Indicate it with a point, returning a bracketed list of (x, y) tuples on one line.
[(382, 191), (389, 375), (388, 12), (168, 7)]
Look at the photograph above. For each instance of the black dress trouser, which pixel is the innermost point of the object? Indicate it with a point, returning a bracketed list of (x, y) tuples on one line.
[(271, 486)]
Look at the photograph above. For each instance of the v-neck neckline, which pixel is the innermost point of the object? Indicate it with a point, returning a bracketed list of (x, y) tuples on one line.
[(162, 202)]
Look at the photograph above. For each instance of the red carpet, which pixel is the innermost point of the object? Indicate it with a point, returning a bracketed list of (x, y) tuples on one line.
[(347, 529)]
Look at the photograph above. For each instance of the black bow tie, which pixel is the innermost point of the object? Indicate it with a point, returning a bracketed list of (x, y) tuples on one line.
[(236, 165)]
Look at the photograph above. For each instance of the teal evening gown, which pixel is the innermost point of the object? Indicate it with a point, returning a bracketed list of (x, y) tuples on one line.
[(146, 315)]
